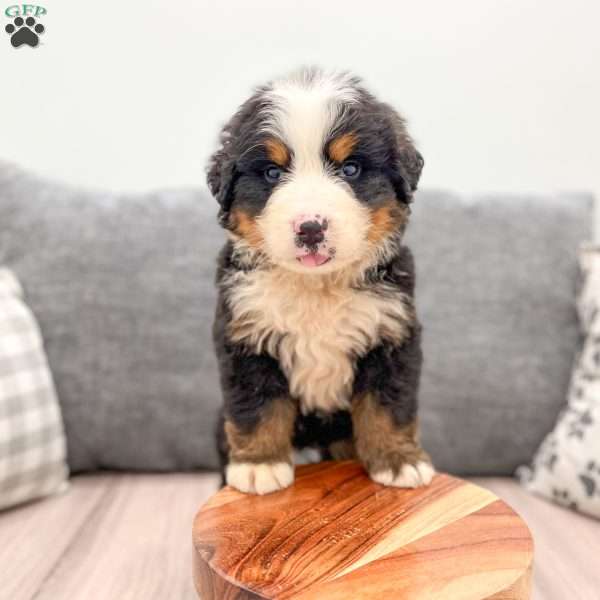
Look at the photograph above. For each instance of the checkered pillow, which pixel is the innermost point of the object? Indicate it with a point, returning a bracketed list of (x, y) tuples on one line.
[(566, 468), (32, 441)]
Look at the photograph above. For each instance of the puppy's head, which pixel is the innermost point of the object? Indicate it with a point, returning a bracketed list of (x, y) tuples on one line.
[(314, 173)]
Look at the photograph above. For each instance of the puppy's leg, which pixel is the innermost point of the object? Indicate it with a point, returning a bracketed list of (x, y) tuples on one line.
[(390, 452), (260, 456), (384, 414)]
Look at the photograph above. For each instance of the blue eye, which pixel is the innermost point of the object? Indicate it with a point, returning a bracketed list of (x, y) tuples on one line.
[(273, 174), (350, 169)]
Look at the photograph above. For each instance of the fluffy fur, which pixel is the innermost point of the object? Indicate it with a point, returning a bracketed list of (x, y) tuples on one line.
[(315, 330)]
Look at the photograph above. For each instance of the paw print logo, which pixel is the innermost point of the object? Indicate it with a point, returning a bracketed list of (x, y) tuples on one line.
[(24, 31)]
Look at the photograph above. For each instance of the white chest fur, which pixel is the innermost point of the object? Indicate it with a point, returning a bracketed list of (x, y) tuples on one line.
[(315, 327)]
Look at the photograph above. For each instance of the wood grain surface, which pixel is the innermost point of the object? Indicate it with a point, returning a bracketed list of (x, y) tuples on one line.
[(337, 535), (52, 548)]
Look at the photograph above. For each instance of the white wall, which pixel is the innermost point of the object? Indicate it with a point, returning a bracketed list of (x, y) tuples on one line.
[(500, 95)]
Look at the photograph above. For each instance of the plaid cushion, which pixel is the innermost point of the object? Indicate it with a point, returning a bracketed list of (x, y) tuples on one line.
[(32, 440)]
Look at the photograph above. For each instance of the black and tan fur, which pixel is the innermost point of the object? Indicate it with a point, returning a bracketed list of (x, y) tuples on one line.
[(316, 333)]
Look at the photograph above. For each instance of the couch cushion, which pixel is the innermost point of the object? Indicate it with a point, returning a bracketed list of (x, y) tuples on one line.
[(122, 286), (123, 289), (496, 280)]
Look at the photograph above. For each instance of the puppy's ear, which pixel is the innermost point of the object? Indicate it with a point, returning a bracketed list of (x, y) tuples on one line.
[(221, 176), (412, 162), (408, 161), (238, 133)]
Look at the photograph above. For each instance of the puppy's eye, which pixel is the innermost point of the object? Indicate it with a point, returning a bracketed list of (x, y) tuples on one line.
[(273, 174), (350, 169)]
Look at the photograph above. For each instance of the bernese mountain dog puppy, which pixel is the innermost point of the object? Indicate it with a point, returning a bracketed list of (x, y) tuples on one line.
[(315, 330)]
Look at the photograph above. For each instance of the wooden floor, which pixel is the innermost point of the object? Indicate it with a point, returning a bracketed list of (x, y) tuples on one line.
[(120, 537), (128, 537)]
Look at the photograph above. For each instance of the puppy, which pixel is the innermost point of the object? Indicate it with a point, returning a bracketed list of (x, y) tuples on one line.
[(315, 330)]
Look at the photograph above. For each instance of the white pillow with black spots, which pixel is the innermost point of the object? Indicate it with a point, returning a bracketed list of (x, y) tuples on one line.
[(32, 440), (566, 468)]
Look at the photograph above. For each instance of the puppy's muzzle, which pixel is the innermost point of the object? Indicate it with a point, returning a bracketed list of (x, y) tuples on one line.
[(310, 233), (312, 245)]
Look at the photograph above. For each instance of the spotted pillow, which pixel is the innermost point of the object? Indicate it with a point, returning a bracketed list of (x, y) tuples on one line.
[(566, 468)]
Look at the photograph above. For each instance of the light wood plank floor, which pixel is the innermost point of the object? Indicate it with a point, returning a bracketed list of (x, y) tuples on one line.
[(128, 537), (121, 537)]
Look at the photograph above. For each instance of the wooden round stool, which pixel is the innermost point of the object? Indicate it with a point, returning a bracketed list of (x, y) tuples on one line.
[(336, 535)]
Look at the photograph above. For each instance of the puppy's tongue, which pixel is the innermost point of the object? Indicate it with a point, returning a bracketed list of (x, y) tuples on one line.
[(313, 260)]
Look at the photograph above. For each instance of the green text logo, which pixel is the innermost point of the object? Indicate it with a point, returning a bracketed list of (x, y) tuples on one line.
[(23, 10)]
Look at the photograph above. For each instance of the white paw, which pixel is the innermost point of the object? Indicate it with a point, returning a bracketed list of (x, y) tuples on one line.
[(259, 478), (410, 476), (306, 456)]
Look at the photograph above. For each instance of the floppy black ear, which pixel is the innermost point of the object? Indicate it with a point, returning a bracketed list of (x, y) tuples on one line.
[(412, 163), (408, 161), (220, 176), (240, 132), (409, 164)]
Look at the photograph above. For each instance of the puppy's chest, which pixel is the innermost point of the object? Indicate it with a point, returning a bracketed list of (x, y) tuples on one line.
[(316, 330)]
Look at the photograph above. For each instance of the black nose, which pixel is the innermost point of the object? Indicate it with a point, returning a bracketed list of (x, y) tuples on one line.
[(311, 233)]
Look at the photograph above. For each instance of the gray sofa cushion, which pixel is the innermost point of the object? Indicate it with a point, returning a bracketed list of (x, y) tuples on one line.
[(123, 290), (122, 286), (496, 283)]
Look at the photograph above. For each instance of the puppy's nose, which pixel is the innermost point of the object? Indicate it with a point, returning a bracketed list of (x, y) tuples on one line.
[(311, 233), (309, 229)]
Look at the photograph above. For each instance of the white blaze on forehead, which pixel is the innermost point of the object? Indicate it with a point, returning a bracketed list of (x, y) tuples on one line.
[(304, 109)]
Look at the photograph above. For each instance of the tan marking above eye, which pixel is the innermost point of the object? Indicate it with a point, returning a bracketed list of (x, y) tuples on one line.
[(277, 152), (341, 147)]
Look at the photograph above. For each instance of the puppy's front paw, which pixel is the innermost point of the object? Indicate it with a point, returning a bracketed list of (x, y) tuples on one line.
[(259, 478), (408, 476)]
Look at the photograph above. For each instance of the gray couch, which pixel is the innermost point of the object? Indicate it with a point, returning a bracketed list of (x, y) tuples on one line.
[(122, 288)]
